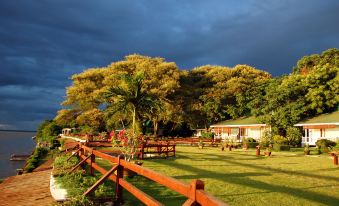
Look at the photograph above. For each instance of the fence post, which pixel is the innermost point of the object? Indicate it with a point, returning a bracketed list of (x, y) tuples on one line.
[(118, 187), (174, 149), (142, 151), (92, 161), (81, 150), (167, 149), (194, 186)]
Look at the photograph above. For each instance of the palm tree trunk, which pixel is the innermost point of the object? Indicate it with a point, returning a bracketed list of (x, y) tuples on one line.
[(133, 119), (155, 127)]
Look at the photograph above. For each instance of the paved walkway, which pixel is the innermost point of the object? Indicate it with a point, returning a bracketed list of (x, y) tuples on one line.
[(27, 189)]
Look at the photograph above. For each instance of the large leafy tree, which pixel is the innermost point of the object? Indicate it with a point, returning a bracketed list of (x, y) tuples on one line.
[(222, 93), (85, 92), (312, 89), (160, 78)]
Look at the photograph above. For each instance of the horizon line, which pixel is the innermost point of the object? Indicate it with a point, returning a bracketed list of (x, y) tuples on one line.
[(15, 130)]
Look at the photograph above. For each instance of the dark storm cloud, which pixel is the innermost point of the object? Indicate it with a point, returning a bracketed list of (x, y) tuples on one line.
[(42, 43)]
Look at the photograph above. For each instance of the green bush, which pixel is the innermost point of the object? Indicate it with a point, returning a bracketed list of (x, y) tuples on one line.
[(266, 139), (62, 165), (207, 135), (48, 131), (252, 144), (279, 147), (35, 159), (249, 139), (293, 136), (322, 143), (280, 140), (77, 182)]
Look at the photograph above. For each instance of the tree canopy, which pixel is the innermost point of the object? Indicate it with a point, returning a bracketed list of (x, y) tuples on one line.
[(162, 94)]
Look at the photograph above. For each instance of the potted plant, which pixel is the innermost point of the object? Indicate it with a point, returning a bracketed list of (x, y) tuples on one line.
[(307, 150), (267, 152), (230, 146), (224, 144), (245, 146), (201, 144)]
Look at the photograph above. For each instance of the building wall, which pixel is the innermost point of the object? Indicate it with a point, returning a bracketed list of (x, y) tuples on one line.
[(255, 133), (315, 134), (332, 132)]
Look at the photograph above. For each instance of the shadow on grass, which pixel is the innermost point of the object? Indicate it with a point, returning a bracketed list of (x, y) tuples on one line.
[(220, 176), (228, 159), (241, 179)]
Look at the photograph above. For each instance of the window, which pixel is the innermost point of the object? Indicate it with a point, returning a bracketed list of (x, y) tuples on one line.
[(243, 132)]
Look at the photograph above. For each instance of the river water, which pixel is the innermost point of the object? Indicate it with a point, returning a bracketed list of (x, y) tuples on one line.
[(14, 143)]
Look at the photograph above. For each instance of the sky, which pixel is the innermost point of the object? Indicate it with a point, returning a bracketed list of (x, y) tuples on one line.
[(43, 43)]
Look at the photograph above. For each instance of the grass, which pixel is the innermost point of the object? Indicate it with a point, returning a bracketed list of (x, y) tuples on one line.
[(240, 178)]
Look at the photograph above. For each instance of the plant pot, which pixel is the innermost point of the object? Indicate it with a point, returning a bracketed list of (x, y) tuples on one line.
[(267, 153)]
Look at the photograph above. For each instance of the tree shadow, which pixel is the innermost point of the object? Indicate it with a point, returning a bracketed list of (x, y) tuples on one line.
[(242, 179), (229, 160)]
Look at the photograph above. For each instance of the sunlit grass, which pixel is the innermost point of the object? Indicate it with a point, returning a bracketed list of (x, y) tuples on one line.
[(241, 178)]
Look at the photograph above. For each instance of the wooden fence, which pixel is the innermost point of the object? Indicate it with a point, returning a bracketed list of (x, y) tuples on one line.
[(194, 191), (159, 148), (195, 141)]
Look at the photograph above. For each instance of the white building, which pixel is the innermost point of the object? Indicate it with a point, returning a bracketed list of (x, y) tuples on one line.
[(239, 129), (325, 126)]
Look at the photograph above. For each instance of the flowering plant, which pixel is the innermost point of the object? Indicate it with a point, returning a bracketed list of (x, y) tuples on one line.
[(127, 143)]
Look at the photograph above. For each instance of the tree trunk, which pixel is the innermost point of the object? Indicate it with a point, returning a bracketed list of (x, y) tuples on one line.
[(155, 127), (133, 120)]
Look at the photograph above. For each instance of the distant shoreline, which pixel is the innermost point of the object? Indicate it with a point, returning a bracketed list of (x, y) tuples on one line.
[(7, 130)]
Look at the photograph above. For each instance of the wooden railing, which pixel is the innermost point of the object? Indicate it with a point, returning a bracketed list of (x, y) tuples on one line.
[(158, 148), (195, 141), (194, 191)]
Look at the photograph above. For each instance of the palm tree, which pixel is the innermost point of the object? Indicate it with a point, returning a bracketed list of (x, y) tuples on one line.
[(131, 98)]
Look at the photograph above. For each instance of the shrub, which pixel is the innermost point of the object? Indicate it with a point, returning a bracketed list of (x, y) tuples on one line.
[(278, 139), (252, 144), (207, 135), (279, 147), (266, 139), (249, 139), (293, 136), (307, 150), (322, 143), (62, 165), (34, 159), (77, 182)]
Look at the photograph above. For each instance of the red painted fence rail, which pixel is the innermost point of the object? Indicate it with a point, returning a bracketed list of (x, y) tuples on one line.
[(194, 191)]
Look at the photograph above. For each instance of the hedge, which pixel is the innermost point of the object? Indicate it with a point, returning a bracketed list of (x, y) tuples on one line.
[(279, 147)]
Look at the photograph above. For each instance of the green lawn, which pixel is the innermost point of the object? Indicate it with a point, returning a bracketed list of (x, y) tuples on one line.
[(241, 178)]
